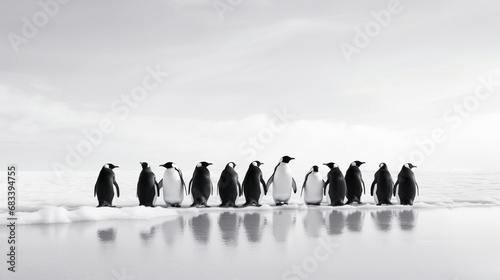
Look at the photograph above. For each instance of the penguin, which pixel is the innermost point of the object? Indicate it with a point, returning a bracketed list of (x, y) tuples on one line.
[(337, 184), (147, 187), (229, 186), (201, 185), (172, 183), (382, 186), (406, 186), (251, 184), (354, 182), (104, 186), (313, 186), (282, 180)]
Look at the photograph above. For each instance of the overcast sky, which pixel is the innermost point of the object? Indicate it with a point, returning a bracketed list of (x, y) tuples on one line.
[(231, 68)]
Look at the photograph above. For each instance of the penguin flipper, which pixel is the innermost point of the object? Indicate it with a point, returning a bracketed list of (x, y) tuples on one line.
[(117, 188), (304, 184), (364, 188), (240, 189), (157, 185), (418, 191), (394, 189), (95, 189), (271, 179), (182, 180), (160, 185), (373, 186), (325, 185), (264, 185), (294, 185), (190, 183)]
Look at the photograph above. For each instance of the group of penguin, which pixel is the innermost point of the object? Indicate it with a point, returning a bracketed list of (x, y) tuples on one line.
[(314, 187)]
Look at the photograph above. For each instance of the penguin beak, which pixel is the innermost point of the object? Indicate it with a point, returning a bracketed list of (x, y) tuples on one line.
[(292, 158), (162, 165), (209, 163), (116, 166), (362, 162), (325, 163)]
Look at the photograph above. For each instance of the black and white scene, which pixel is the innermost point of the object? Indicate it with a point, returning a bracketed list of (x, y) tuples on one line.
[(250, 139)]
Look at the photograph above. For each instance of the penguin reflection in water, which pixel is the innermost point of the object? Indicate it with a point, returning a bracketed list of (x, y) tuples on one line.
[(148, 189), (104, 186), (201, 185)]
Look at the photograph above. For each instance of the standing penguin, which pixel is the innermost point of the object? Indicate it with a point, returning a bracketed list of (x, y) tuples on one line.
[(382, 185), (283, 182), (147, 187), (251, 184), (313, 186), (406, 187), (173, 185), (229, 186), (201, 185), (354, 182), (104, 186), (338, 187)]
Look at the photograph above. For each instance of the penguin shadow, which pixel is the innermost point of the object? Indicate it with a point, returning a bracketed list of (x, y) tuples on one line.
[(354, 221), (335, 223), (383, 220), (407, 219), (200, 228), (107, 235), (229, 225), (147, 236), (172, 229), (283, 223), (313, 221), (254, 224)]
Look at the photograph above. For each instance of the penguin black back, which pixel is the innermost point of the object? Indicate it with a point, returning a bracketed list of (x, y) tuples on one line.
[(337, 183), (147, 187), (229, 186), (382, 185), (354, 182), (103, 188), (406, 187), (201, 184), (251, 184)]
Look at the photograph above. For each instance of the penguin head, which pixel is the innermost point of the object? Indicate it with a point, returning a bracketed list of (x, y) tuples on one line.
[(357, 163), (110, 166), (331, 165), (168, 165), (257, 163), (231, 164), (382, 164), (286, 159), (144, 164), (203, 164), (409, 165), (315, 168)]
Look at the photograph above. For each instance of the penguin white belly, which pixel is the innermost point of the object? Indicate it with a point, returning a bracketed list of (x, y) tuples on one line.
[(313, 192), (282, 183), (173, 192), (375, 195), (397, 195)]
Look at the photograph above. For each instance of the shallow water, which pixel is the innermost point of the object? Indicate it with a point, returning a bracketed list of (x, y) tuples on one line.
[(382, 243)]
